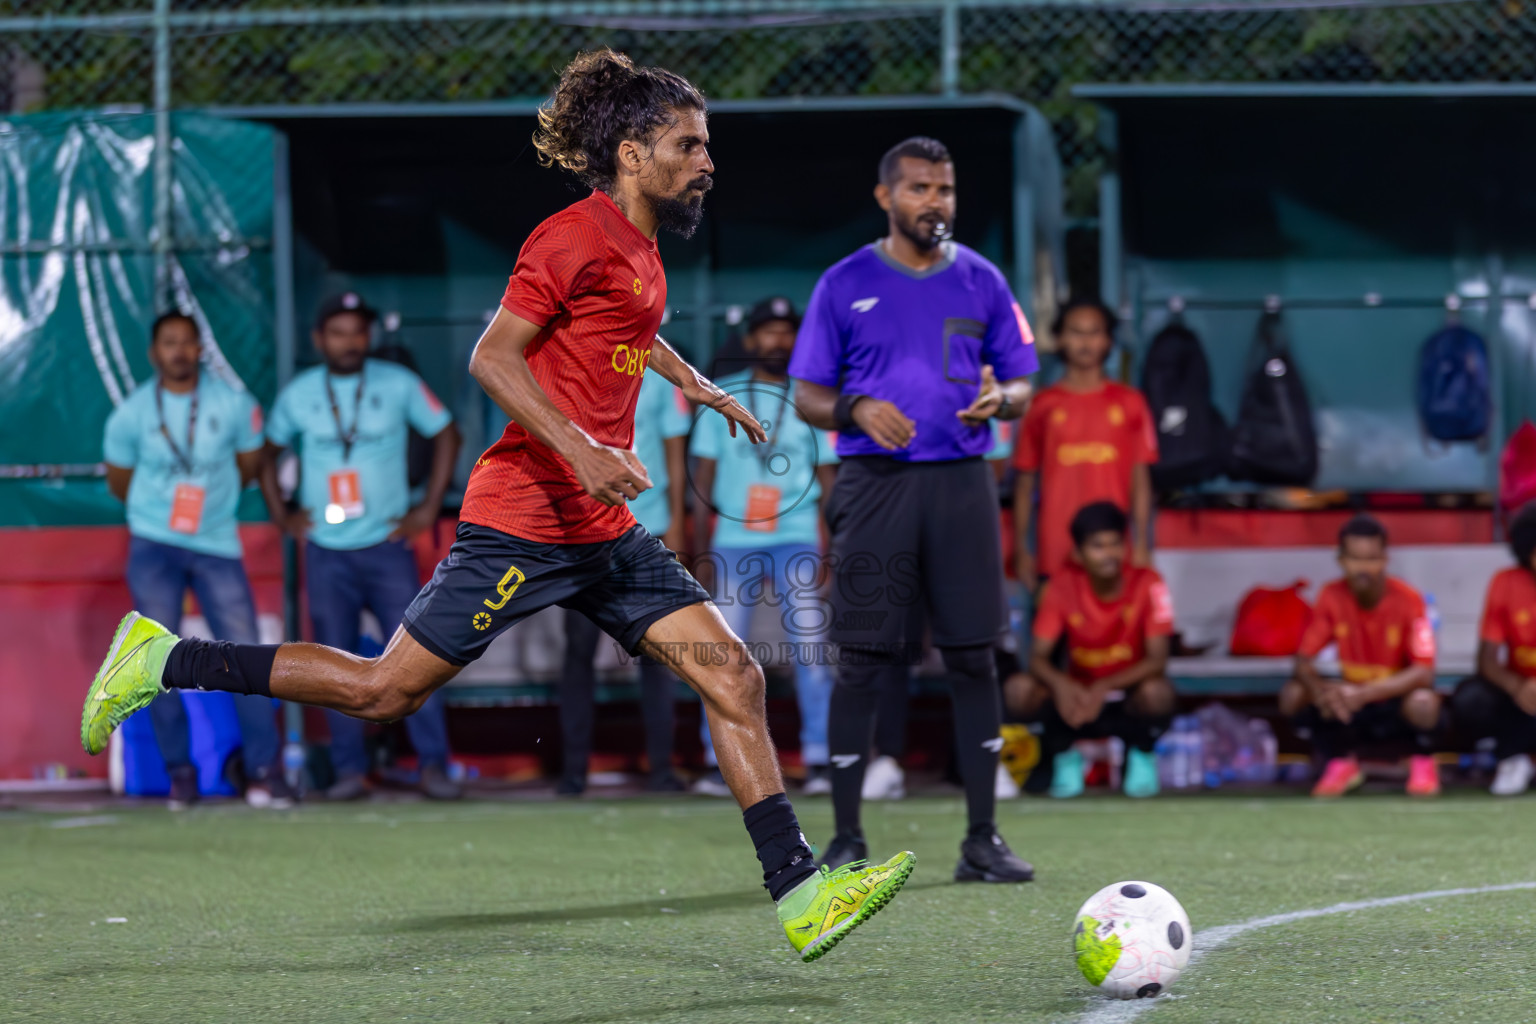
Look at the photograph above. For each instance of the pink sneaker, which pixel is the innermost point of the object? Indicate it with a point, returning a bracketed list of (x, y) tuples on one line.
[(1423, 776), (1341, 775)]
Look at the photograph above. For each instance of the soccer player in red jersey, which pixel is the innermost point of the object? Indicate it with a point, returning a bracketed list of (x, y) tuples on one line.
[(1116, 619), (544, 519), (1384, 689), (1500, 700), (1085, 438)]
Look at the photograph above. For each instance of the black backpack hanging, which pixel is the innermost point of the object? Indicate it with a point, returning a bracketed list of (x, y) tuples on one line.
[(1274, 440), (1191, 433)]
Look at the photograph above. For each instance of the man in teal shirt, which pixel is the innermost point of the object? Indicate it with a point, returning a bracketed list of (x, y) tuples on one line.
[(178, 451), (662, 419), (767, 538), (350, 419)]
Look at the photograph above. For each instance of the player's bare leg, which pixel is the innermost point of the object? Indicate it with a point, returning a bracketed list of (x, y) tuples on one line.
[(817, 908)]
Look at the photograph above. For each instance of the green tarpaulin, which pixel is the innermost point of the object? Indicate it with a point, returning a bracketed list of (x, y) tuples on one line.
[(77, 286)]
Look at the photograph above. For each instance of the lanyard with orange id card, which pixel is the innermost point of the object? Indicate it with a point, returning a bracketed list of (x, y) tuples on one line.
[(346, 496), (762, 513), (187, 508)]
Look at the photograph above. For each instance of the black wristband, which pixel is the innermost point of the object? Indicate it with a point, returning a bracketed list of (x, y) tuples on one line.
[(842, 412)]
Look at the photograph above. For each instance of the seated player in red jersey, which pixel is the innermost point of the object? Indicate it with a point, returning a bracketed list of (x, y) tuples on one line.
[(1115, 619), (1500, 701), (1384, 687), (545, 518)]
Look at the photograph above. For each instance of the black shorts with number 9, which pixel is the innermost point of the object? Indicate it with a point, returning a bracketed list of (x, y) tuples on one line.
[(492, 580)]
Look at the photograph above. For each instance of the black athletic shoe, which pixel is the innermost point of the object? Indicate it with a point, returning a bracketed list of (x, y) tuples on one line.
[(183, 787), (571, 785), (988, 859), (844, 850), (665, 783)]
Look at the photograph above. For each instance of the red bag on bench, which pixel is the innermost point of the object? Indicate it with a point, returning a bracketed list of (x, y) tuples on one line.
[(1270, 621)]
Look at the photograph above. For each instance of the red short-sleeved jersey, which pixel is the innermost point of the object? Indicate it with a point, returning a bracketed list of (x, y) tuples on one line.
[(1376, 643), (1103, 637), (1084, 445), (1509, 617), (596, 285)]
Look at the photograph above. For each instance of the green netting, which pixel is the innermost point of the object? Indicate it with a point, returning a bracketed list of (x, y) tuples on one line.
[(78, 280), (355, 51)]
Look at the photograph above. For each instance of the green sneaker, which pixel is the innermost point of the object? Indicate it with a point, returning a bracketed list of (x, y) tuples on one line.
[(1140, 774), (818, 912), (1067, 775), (127, 681)]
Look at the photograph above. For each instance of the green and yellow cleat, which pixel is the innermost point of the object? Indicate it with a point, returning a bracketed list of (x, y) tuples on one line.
[(127, 681), (820, 911)]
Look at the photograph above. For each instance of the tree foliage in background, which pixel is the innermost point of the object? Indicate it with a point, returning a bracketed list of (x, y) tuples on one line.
[(744, 50)]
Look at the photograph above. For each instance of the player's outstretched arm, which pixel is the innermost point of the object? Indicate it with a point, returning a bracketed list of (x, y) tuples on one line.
[(500, 366), (700, 390)]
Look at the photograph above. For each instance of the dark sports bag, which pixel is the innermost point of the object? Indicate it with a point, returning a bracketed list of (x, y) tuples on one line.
[(1454, 398), (1274, 441), (1191, 434)]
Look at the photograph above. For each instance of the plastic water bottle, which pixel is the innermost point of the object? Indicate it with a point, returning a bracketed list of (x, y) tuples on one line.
[(1432, 612), (293, 763)]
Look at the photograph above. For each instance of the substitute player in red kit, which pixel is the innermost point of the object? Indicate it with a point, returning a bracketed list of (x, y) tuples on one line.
[(544, 519), (1384, 690), (1116, 619)]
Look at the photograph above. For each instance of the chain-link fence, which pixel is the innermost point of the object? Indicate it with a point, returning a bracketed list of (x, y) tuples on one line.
[(93, 53)]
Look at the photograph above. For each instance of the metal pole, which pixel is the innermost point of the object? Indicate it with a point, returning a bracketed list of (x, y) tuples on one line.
[(163, 167), (949, 43), (1023, 220)]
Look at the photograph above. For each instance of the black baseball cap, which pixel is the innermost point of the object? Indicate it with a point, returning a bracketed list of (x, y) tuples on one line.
[(769, 310), (345, 302)]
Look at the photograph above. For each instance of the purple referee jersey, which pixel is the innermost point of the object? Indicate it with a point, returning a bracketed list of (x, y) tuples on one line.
[(877, 327)]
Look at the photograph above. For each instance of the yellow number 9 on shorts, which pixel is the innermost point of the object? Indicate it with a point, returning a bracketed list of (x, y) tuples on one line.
[(506, 588)]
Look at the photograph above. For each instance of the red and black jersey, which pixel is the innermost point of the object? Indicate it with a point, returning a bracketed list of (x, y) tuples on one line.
[(595, 284)]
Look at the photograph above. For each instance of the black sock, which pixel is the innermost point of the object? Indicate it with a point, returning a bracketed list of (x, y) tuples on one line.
[(781, 847), (978, 728), (220, 665), (1139, 732), (856, 692)]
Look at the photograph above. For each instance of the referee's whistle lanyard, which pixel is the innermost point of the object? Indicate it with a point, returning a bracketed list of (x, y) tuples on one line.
[(766, 451), (183, 458), (347, 435)]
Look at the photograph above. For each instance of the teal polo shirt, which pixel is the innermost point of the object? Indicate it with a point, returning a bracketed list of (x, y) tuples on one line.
[(661, 412), (228, 423), (393, 400), (786, 463)]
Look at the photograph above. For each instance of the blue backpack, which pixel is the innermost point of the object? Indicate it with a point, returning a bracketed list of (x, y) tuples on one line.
[(1454, 400)]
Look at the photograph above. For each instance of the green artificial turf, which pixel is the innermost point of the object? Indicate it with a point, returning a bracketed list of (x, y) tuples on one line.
[(649, 910)]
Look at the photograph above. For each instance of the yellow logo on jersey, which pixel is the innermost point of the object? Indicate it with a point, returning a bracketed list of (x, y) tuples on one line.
[(630, 361), (636, 286), (481, 621), (1116, 416), (1096, 453), (1098, 657)]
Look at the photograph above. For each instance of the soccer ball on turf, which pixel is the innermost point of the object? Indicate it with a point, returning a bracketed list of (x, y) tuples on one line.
[(1131, 939)]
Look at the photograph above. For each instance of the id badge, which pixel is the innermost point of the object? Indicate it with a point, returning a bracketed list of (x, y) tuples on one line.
[(762, 508), (346, 497), (187, 508)]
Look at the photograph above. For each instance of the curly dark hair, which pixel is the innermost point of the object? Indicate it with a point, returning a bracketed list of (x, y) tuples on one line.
[(602, 100)]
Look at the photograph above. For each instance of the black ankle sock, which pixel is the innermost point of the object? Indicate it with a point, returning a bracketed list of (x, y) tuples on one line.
[(220, 665), (781, 846), (980, 829), (978, 727)]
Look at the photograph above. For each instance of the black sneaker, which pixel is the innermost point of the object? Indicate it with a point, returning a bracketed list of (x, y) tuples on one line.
[(988, 859), (665, 782), (436, 785), (183, 787), (571, 785), (348, 787), (268, 790), (844, 850)]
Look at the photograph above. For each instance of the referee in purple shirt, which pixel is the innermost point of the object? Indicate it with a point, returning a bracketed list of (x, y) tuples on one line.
[(908, 348)]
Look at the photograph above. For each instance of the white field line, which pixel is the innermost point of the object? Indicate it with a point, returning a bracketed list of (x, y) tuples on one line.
[(1116, 1011)]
